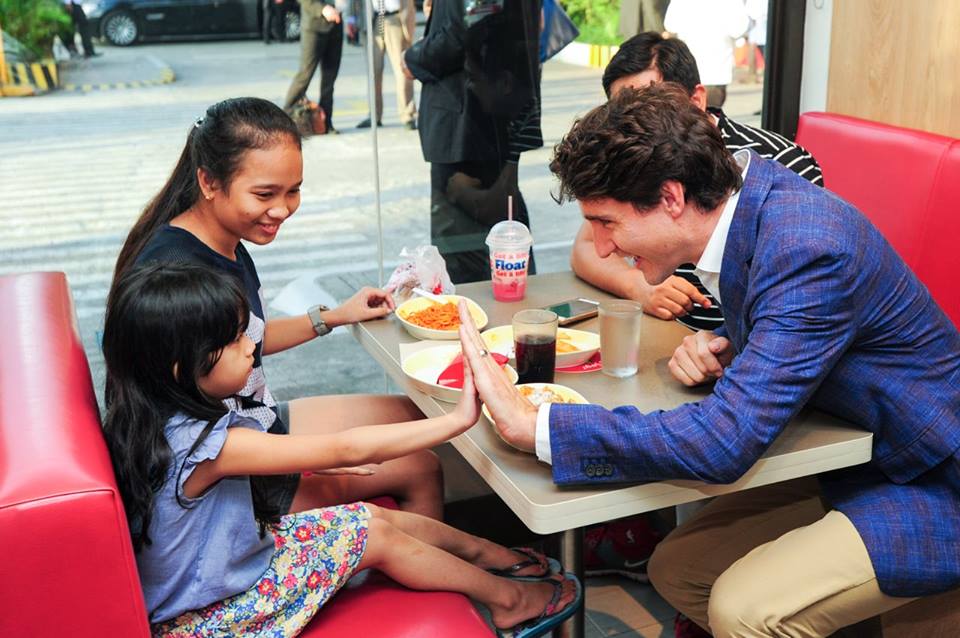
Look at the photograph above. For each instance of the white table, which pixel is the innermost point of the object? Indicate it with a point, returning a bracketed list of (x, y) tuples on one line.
[(812, 443)]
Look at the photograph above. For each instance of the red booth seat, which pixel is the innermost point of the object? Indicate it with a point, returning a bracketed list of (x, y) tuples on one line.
[(906, 181), (66, 559)]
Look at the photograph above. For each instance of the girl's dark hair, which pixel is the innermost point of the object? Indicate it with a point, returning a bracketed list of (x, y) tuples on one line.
[(166, 328), (650, 50), (627, 148), (216, 143)]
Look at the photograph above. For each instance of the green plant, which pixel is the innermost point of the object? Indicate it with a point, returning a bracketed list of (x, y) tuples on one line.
[(598, 20), (34, 23)]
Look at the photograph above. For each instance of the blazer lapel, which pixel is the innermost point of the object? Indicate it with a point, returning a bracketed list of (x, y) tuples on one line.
[(740, 246)]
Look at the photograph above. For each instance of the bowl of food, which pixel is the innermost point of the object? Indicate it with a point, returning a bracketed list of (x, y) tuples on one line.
[(425, 367), (538, 394), (574, 347), (427, 319)]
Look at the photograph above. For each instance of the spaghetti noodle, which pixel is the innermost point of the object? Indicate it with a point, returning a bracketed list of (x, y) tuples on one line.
[(436, 317)]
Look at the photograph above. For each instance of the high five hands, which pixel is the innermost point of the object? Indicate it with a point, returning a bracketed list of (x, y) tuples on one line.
[(514, 416)]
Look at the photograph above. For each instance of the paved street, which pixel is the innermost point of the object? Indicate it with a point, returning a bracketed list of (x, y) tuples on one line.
[(76, 169)]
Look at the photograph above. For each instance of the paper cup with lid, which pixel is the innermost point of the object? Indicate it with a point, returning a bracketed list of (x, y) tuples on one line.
[(509, 243)]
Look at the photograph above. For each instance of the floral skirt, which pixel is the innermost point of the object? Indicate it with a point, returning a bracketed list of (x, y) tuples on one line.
[(315, 553)]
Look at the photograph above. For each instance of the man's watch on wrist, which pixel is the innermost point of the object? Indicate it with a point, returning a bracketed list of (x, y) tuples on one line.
[(319, 325)]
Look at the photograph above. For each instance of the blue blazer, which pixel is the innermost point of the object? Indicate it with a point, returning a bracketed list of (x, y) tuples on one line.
[(822, 312)]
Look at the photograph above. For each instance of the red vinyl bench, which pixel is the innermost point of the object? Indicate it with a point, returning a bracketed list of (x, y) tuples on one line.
[(906, 181), (68, 567)]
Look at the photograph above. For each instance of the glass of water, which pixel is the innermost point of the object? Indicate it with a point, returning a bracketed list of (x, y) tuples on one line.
[(620, 336)]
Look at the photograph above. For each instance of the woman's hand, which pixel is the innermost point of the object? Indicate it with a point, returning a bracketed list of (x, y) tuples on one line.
[(514, 416), (700, 357), (359, 470), (367, 303)]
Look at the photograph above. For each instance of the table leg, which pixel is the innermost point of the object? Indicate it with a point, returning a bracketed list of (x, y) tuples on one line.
[(571, 556)]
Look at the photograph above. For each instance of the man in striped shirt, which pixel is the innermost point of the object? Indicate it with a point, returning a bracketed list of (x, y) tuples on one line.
[(642, 60)]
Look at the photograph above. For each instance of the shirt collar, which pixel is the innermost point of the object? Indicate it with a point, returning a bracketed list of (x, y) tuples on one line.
[(712, 256)]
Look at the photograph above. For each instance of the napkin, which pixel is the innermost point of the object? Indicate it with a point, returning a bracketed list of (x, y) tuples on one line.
[(452, 376)]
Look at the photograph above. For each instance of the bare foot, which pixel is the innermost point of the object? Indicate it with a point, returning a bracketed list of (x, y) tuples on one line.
[(532, 602)]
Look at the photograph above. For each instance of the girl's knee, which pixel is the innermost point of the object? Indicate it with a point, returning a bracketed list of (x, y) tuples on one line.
[(429, 463), (375, 510)]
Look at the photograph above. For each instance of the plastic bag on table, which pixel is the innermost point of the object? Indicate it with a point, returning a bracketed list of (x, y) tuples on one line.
[(423, 267)]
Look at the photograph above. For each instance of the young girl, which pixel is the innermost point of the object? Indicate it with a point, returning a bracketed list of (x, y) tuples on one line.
[(238, 178), (175, 348)]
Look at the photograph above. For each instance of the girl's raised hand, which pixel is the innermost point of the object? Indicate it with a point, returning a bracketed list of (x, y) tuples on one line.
[(468, 407), (366, 303)]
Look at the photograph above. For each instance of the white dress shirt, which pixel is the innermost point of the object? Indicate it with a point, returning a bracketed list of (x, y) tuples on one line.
[(708, 270)]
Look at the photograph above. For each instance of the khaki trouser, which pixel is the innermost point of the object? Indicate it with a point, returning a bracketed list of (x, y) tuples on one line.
[(394, 42), (771, 561)]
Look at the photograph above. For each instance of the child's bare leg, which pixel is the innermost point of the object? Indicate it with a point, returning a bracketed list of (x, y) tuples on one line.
[(478, 551), (419, 565)]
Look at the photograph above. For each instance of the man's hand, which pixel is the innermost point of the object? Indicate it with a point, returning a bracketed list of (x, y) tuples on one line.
[(366, 303), (673, 298), (514, 416), (407, 73), (330, 14), (700, 357)]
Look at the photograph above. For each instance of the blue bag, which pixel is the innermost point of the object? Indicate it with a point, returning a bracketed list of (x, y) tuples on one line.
[(558, 30)]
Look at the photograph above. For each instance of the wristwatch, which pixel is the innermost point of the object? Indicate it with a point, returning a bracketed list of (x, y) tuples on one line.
[(319, 325)]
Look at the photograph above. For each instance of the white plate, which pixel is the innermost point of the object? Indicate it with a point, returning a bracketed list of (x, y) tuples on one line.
[(419, 303), (423, 368), (500, 339), (569, 394)]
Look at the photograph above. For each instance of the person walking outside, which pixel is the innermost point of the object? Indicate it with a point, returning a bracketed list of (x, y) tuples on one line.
[(393, 31), (321, 44)]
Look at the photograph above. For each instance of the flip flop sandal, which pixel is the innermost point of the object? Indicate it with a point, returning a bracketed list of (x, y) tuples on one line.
[(550, 618), (550, 566)]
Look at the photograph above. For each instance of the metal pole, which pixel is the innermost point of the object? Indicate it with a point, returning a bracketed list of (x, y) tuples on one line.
[(372, 106), (571, 556)]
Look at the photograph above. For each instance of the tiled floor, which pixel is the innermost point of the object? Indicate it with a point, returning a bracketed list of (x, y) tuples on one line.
[(623, 608)]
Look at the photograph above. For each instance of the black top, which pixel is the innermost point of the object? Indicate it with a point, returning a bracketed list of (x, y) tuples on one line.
[(172, 244)]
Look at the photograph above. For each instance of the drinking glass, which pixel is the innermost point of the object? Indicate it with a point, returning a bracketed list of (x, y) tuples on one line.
[(620, 336), (535, 342)]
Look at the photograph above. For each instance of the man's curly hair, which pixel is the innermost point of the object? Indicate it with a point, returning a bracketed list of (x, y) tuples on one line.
[(627, 148)]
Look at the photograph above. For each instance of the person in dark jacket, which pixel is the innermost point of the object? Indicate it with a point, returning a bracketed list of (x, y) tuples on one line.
[(479, 71)]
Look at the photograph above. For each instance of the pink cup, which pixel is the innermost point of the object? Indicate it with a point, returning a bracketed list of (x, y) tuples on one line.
[(509, 243)]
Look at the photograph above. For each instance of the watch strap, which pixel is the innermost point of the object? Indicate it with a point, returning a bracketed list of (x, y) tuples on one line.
[(319, 325)]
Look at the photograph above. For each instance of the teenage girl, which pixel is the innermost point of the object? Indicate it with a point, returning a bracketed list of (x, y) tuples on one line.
[(238, 180), (176, 349)]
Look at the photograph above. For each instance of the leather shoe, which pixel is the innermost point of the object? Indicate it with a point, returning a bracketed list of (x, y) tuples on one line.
[(410, 126), (366, 123)]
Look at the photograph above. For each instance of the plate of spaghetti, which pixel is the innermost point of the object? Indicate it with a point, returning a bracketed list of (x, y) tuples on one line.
[(427, 319)]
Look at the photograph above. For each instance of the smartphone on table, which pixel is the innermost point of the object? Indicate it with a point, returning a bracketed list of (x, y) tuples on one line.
[(573, 310)]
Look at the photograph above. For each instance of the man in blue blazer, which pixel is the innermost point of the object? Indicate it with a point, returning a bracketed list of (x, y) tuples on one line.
[(819, 311)]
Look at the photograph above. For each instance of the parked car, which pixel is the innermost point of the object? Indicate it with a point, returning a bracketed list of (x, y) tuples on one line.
[(125, 22)]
